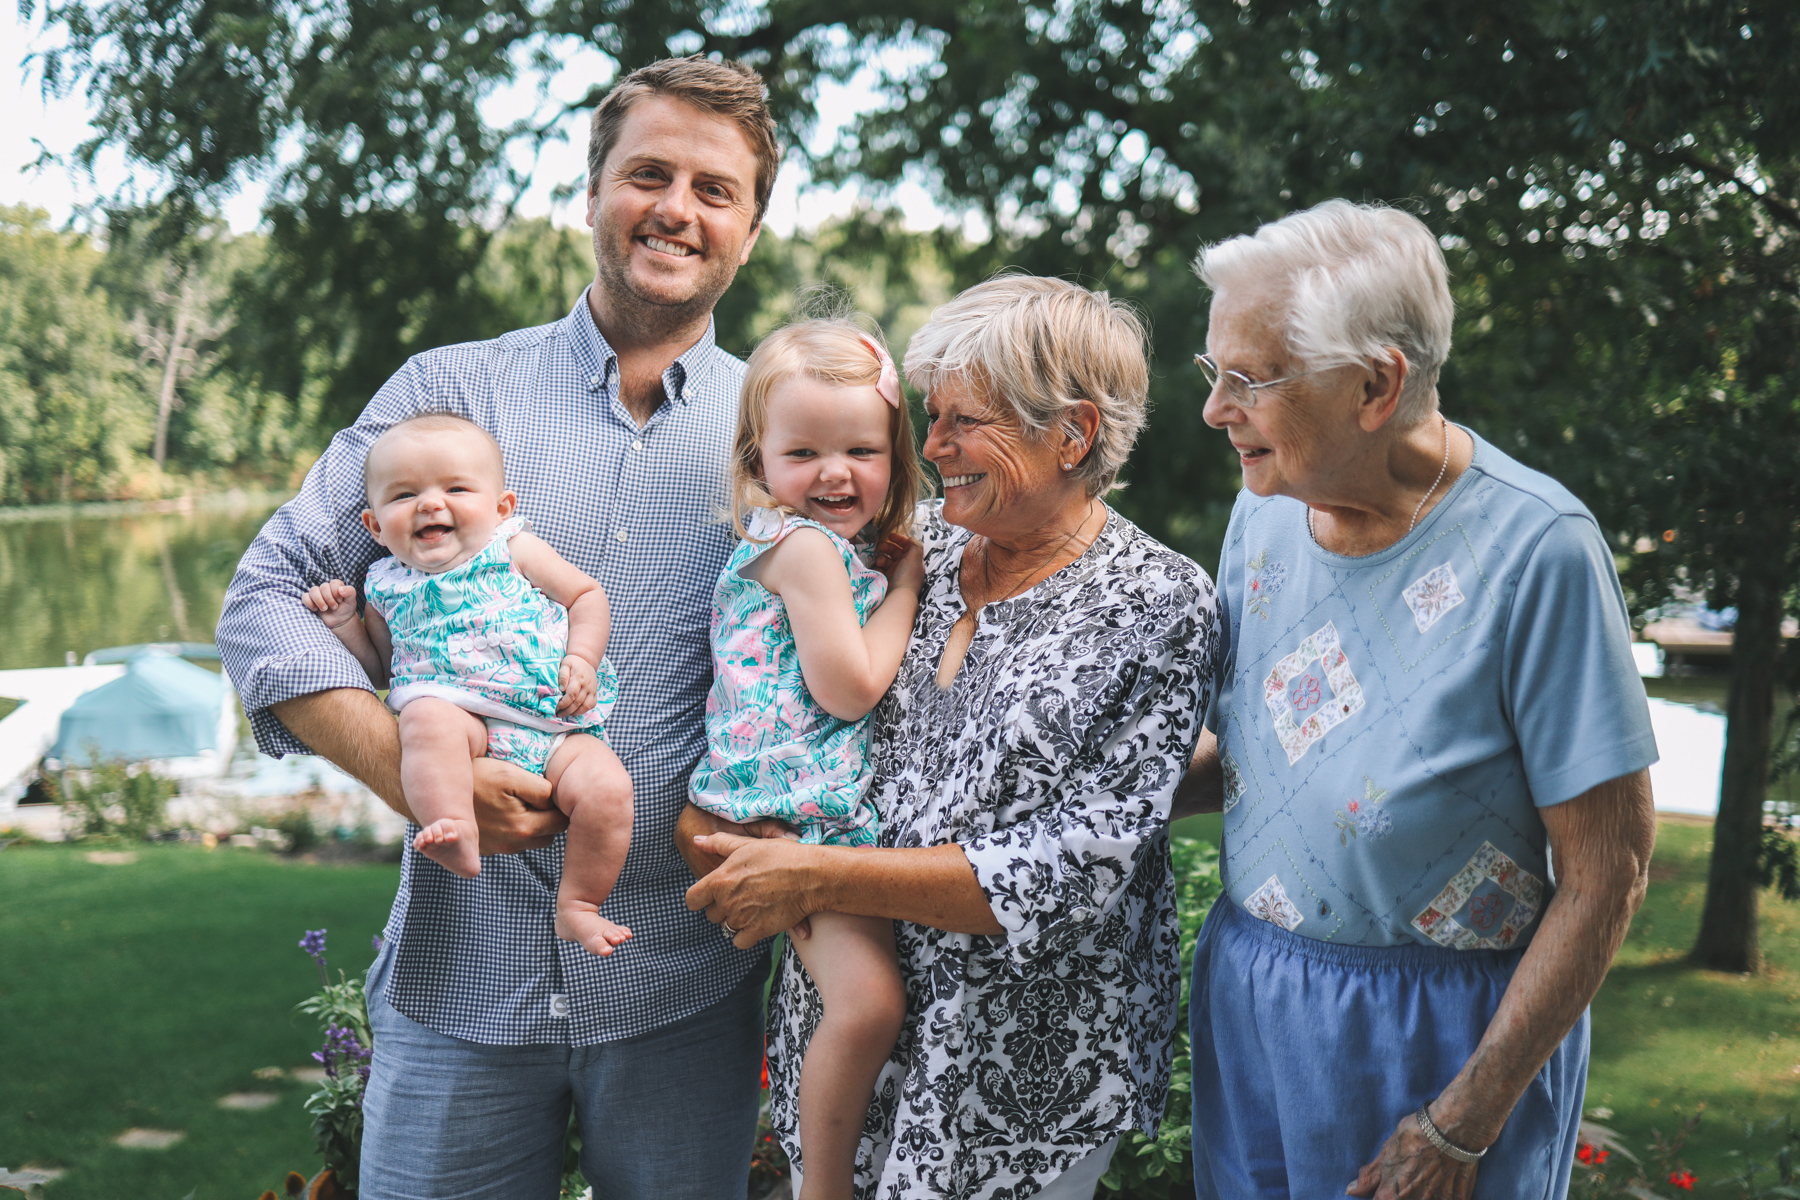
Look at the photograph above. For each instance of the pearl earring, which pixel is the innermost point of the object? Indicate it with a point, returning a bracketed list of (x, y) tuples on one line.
[(1068, 466)]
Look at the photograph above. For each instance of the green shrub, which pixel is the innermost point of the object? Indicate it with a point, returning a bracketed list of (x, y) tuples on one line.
[(115, 800), (1160, 1167)]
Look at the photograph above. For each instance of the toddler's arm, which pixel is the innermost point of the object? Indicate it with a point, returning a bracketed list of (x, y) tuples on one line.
[(590, 617), (335, 602), (847, 667)]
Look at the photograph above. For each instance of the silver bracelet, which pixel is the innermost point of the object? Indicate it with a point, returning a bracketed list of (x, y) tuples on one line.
[(1443, 1144)]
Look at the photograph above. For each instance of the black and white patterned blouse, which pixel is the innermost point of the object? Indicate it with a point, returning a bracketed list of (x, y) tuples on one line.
[(1051, 761)]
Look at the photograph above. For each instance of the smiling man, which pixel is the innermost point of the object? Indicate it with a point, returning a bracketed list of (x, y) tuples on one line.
[(616, 423)]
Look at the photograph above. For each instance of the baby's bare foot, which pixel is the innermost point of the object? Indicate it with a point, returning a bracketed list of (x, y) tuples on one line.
[(453, 844), (578, 922)]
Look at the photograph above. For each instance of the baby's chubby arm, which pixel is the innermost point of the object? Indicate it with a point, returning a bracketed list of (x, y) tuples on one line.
[(335, 602), (590, 617)]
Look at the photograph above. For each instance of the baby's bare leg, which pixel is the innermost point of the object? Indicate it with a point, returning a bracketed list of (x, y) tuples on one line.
[(852, 961), (591, 786), (439, 744)]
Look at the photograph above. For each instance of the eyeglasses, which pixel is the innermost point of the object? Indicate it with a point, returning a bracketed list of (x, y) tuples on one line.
[(1240, 389)]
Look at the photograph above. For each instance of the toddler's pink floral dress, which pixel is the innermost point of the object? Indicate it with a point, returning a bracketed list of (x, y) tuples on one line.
[(771, 750)]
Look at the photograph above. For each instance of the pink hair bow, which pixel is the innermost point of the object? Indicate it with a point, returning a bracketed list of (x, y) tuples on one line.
[(889, 382)]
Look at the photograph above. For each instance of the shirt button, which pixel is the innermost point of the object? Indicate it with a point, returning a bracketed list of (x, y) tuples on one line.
[(637, 445), (622, 536), (559, 1006), (593, 381)]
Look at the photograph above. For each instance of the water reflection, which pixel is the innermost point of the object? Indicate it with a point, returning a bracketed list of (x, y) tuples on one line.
[(80, 583)]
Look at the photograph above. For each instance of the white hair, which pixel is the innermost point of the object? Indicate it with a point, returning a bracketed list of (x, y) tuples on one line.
[(1039, 347), (1359, 279)]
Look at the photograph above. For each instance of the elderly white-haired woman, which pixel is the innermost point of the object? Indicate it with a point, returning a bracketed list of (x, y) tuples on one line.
[(1025, 760), (1426, 697)]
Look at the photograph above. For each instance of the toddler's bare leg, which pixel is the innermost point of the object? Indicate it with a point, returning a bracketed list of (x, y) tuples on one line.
[(851, 959), (590, 785), (439, 744)]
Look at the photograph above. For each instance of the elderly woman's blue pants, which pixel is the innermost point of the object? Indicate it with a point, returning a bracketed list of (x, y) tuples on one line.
[(1308, 1054)]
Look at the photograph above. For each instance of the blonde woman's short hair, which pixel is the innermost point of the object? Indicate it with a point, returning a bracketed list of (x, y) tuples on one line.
[(835, 351), (1359, 278), (1037, 347)]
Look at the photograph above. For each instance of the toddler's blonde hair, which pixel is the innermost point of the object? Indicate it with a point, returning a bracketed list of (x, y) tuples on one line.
[(832, 350)]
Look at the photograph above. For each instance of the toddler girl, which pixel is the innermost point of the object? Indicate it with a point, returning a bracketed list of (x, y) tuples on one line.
[(492, 644), (804, 645)]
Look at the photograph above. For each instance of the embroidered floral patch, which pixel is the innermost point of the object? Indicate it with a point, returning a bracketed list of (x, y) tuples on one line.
[(1266, 579), (1364, 816), (1270, 903), (1432, 595), (1485, 906), (1311, 692), (1234, 780)]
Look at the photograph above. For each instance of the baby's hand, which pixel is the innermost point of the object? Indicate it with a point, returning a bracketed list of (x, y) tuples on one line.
[(902, 560), (335, 602), (769, 827), (579, 687)]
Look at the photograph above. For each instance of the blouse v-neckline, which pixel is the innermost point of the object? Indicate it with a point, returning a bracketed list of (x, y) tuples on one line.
[(958, 607)]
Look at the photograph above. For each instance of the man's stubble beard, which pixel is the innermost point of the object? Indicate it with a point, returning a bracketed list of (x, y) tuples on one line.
[(651, 317)]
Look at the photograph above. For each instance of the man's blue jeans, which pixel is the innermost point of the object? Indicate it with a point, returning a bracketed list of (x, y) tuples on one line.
[(667, 1115)]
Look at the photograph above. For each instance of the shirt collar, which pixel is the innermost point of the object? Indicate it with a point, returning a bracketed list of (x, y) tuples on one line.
[(598, 361)]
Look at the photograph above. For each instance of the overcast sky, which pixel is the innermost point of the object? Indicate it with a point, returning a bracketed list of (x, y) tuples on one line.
[(61, 125)]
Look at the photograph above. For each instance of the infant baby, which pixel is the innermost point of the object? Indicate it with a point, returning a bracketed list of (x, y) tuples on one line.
[(491, 643)]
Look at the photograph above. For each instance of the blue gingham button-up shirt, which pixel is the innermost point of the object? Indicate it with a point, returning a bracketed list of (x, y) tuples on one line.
[(636, 507)]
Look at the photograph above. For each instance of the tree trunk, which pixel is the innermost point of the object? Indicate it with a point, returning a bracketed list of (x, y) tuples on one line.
[(1727, 940), (171, 369)]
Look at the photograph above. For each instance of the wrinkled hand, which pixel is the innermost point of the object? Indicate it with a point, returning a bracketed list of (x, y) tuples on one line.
[(902, 560), (335, 602), (1411, 1168), (760, 889), (579, 686), (513, 808)]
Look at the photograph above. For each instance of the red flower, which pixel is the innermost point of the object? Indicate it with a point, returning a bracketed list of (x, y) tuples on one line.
[(765, 1086), (1684, 1180), (1591, 1156)]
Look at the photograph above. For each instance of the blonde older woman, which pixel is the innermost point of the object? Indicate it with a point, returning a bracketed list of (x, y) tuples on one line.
[(1427, 687), (1025, 760)]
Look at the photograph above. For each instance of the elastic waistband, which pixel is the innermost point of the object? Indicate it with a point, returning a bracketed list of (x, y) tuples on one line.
[(1415, 956)]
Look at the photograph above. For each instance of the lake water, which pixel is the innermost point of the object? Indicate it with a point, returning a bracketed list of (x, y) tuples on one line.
[(82, 582), (75, 583)]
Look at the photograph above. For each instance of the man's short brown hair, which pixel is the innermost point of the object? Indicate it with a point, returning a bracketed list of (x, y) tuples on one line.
[(728, 89)]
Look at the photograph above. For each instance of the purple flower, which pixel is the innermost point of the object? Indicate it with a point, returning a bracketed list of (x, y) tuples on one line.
[(343, 1051), (377, 942), (314, 944)]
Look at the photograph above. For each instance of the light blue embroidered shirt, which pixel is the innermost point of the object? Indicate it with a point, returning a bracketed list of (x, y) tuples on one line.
[(636, 507), (1389, 725)]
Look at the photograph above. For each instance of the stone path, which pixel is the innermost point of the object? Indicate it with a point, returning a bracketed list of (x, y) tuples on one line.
[(148, 1139)]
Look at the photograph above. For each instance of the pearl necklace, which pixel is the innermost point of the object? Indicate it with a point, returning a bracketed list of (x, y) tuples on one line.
[(1417, 508)]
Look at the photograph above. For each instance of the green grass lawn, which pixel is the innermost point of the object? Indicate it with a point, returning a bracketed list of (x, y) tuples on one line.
[(1668, 1037), (136, 995)]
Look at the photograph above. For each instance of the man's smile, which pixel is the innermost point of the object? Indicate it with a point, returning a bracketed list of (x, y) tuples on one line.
[(664, 246)]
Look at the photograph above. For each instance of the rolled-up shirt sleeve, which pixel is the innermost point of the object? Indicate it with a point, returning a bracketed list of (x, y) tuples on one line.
[(1050, 877), (273, 648)]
